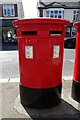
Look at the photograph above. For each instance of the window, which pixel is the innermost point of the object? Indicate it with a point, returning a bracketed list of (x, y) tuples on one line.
[(55, 13), (51, 14), (75, 15), (68, 31), (8, 10), (73, 32)]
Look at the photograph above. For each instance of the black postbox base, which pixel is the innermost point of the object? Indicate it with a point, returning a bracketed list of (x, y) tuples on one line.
[(40, 98), (76, 91)]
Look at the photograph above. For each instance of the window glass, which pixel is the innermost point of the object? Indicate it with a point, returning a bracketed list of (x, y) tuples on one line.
[(51, 14), (56, 12), (8, 10), (67, 31), (5, 11), (55, 16), (73, 31), (77, 11), (51, 11), (59, 16), (12, 10), (59, 12), (74, 12)]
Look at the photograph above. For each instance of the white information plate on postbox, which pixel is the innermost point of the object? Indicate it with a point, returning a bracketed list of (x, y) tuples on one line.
[(56, 51), (29, 52)]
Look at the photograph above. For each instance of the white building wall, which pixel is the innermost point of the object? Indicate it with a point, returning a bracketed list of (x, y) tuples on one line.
[(68, 14), (20, 10), (10, 1)]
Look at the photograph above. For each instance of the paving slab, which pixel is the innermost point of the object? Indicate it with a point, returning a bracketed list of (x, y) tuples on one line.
[(12, 108)]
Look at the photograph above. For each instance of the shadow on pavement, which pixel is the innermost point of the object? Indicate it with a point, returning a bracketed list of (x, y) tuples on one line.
[(9, 46), (63, 111)]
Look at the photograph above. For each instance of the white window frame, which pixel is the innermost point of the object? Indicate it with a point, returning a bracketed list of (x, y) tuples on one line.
[(49, 14), (9, 7)]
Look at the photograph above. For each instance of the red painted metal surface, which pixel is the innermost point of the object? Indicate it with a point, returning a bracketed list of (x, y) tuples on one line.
[(77, 54), (45, 36)]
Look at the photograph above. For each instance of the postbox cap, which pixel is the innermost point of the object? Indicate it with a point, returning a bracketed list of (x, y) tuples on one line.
[(23, 22), (77, 24)]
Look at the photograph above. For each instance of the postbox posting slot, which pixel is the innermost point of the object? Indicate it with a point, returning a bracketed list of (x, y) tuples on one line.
[(29, 32), (55, 33)]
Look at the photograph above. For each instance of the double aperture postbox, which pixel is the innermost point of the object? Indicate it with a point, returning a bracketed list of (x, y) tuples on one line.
[(40, 43)]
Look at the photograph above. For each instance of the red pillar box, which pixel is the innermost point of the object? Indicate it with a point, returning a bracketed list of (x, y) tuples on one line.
[(76, 77), (41, 44)]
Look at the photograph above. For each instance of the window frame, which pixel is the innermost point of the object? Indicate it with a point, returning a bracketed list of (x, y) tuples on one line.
[(7, 10), (60, 12), (75, 15)]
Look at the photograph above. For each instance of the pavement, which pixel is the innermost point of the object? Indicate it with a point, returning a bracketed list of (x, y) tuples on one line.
[(12, 108)]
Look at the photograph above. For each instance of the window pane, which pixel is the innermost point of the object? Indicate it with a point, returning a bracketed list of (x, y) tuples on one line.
[(74, 12), (56, 12), (8, 11), (12, 12), (77, 17), (77, 11), (59, 12), (67, 31), (59, 16), (5, 12), (51, 11), (73, 31), (74, 17), (51, 15), (55, 16)]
